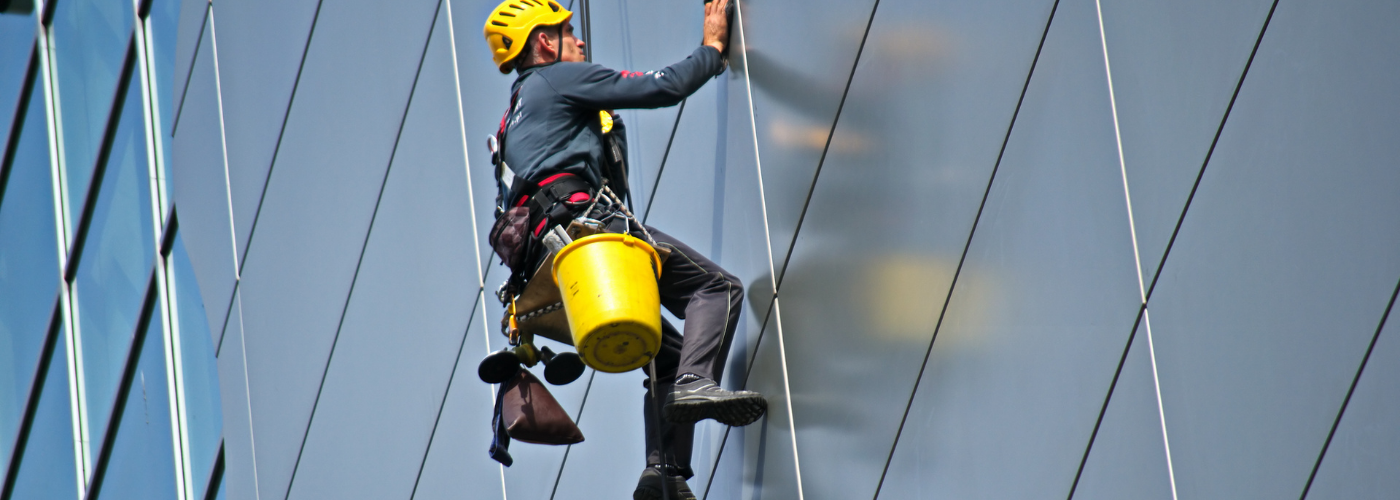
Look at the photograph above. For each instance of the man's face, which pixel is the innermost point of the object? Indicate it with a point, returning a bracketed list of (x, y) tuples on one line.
[(572, 46)]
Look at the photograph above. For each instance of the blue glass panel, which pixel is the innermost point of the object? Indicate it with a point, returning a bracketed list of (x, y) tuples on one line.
[(201, 372), (16, 46), (142, 464), (49, 467), (162, 25), (28, 269), (89, 42), (115, 264)]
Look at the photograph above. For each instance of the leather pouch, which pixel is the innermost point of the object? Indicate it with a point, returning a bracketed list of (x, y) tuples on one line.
[(530, 413)]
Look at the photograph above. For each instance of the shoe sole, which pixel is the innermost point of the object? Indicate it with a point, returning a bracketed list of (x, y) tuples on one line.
[(655, 494), (650, 490), (734, 412)]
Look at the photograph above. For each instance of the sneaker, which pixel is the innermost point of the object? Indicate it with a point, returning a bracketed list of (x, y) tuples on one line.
[(701, 398), (649, 486)]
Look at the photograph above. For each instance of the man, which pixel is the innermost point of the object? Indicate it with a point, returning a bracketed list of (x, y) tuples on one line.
[(558, 154)]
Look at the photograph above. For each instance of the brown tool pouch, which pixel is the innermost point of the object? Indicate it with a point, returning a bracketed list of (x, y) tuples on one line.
[(530, 413)]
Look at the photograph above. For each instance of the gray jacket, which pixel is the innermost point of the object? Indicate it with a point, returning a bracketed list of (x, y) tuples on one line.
[(555, 125)]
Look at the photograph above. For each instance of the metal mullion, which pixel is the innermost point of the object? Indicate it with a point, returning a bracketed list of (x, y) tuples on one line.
[(77, 394), (164, 269)]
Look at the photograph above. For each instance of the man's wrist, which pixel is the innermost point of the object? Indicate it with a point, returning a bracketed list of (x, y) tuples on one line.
[(719, 47)]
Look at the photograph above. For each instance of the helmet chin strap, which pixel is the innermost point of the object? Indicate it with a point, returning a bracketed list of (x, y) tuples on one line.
[(559, 54)]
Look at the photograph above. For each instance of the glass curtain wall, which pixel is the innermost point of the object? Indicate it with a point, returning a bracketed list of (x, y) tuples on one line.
[(107, 382)]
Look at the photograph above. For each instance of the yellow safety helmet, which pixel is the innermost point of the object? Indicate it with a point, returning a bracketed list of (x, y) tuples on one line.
[(510, 24)]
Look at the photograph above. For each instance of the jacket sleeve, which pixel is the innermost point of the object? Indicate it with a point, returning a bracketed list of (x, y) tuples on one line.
[(593, 86)]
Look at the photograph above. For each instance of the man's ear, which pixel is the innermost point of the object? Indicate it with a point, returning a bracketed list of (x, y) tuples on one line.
[(542, 43)]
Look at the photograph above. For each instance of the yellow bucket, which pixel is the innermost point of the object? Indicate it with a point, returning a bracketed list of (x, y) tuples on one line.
[(608, 283)]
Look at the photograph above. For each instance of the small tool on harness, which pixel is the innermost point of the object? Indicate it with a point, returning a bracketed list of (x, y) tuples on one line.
[(561, 368)]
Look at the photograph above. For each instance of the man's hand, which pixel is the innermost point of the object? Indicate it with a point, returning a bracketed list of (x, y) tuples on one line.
[(716, 24)]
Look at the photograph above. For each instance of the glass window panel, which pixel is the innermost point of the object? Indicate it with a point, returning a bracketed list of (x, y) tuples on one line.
[(49, 465), (88, 41), (142, 465), (1365, 452), (115, 265), (16, 46), (163, 23), (28, 269), (200, 370)]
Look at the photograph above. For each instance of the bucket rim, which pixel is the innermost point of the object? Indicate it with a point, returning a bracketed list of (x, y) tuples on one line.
[(625, 239)]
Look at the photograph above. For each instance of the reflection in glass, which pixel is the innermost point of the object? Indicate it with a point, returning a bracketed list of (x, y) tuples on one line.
[(142, 465), (28, 269), (47, 470), (88, 41), (115, 265), (200, 371), (16, 46), (162, 24)]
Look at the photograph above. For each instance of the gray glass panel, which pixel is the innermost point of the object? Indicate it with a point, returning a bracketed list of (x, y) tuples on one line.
[(260, 55), (923, 124), (16, 46), (201, 197), (162, 25), (115, 265), (1365, 452), (317, 212), (89, 39), (408, 313), (641, 35), (190, 27), (1044, 302), (239, 477), (758, 461), (709, 199), (485, 97), (28, 269), (1128, 459), (609, 462), (47, 469), (201, 372), (1287, 257), (142, 465), (797, 83), (1175, 66), (456, 461)]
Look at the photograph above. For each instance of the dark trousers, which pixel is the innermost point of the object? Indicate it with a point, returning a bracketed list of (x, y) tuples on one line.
[(709, 299)]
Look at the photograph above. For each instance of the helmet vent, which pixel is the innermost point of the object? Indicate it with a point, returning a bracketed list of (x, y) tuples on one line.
[(501, 24), (516, 7), (507, 14), (554, 6)]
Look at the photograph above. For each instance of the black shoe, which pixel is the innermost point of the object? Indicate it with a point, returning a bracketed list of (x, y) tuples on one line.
[(701, 399), (649, 486)]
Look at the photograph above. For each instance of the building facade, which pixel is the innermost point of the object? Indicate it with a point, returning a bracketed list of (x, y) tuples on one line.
[(108, 381), (1006, 249)]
